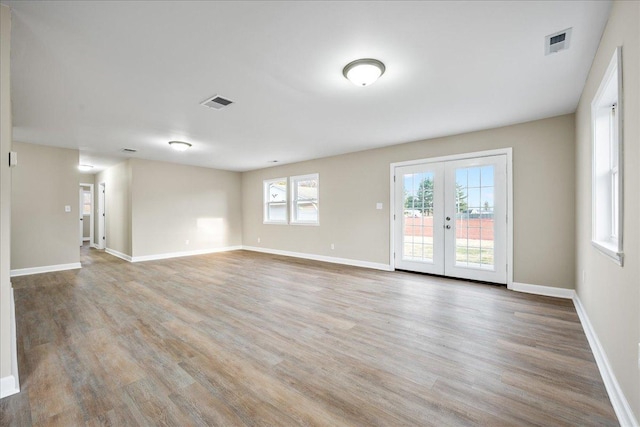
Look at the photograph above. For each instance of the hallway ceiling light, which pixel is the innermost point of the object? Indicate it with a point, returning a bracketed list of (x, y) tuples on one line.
[(363, 72), (179, 145), (85, 168)]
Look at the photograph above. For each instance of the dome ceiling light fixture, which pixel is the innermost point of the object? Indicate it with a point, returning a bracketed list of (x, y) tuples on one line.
[(179, 145), (363, 72), (85, 168)]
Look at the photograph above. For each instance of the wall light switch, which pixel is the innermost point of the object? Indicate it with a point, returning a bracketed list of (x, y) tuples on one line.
[(378, 205), (13, 158), (67, 208)]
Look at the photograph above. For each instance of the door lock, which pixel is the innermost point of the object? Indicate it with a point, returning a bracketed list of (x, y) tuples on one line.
[(448, 227), (448, 218)]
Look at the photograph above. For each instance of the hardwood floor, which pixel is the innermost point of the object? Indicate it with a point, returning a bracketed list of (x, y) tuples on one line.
[(242, 338)]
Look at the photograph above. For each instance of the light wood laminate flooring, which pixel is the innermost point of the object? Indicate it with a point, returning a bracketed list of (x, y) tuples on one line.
[(243, 338)]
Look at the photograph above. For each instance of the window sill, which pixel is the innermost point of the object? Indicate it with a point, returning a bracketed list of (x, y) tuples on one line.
[(610, 251), (275, 222), (306, 223)]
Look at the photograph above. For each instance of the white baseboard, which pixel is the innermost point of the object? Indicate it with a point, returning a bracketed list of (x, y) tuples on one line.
[(44, 269), (93, 245), (333, 260), (184, 253), (548, 291), (118, 254), (8, 386), (617, 397), (11, 384), (86, 239)]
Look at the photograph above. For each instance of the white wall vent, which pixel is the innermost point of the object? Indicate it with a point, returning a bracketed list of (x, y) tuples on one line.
[(216, 102), (557, 41)]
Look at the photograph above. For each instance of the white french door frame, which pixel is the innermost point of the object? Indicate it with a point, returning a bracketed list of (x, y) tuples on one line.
[(508, 152)]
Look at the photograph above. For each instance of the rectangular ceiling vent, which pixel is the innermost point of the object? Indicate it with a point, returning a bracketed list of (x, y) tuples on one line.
[(557, 41), (216, 102)]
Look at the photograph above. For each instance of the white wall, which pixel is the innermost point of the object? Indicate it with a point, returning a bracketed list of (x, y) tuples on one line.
[(352, 184), (610, 293)]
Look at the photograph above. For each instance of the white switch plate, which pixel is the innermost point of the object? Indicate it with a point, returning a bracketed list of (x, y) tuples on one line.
[(378, 205), (67, 208), (333, 246)]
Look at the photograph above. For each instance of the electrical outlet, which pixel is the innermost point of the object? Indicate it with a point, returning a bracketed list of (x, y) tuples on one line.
[(333, 246), (67, 208), (258, 240), (378, 205)]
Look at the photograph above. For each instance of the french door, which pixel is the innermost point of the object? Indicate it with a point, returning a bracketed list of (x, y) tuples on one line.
[(451, 218)]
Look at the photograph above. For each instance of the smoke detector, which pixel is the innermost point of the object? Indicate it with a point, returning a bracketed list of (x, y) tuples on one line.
[(216, 102), (557, 41)]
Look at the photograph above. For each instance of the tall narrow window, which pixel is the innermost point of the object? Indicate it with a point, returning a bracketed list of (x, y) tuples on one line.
[(275, 201), (606, 117), (304, 199)]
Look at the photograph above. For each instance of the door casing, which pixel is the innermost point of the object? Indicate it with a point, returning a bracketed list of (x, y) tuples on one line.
[(501, 151)]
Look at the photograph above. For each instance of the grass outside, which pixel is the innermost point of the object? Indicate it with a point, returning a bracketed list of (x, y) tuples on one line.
[(467, 251)]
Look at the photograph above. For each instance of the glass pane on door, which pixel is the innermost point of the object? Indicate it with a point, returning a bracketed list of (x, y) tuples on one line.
[(474, 217), (417, 217)]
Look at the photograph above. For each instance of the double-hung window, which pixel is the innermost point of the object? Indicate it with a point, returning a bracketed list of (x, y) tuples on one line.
[(606, 118), (304, 199), (293, 200), (275, 201)]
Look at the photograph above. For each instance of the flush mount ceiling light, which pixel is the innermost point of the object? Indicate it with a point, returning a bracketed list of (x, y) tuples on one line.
[(179, 145), (363, 72), (85, 168)]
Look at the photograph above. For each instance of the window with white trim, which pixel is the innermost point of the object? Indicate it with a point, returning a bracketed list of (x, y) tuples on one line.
[(606, 186), (86, 203), (304, 199), (275, 201)]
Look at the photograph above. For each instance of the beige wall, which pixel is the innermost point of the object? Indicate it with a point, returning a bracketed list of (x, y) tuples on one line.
[(117, 181), (45, 180), (610, 293), (350, 186), (174, 203), (5, 194)]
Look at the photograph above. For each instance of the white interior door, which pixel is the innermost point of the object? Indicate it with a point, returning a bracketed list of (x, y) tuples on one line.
[(451, 218), (81, 222), (102, 233)]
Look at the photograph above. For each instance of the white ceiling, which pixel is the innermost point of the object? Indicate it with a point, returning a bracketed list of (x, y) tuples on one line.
[(101, 76)]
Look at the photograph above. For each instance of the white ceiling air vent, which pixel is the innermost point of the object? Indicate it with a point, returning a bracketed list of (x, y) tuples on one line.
[(557, 41), (216, 102)]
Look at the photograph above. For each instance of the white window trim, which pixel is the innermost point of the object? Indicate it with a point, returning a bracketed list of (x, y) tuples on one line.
[(612, 247), (265, 202), (292, 200)]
